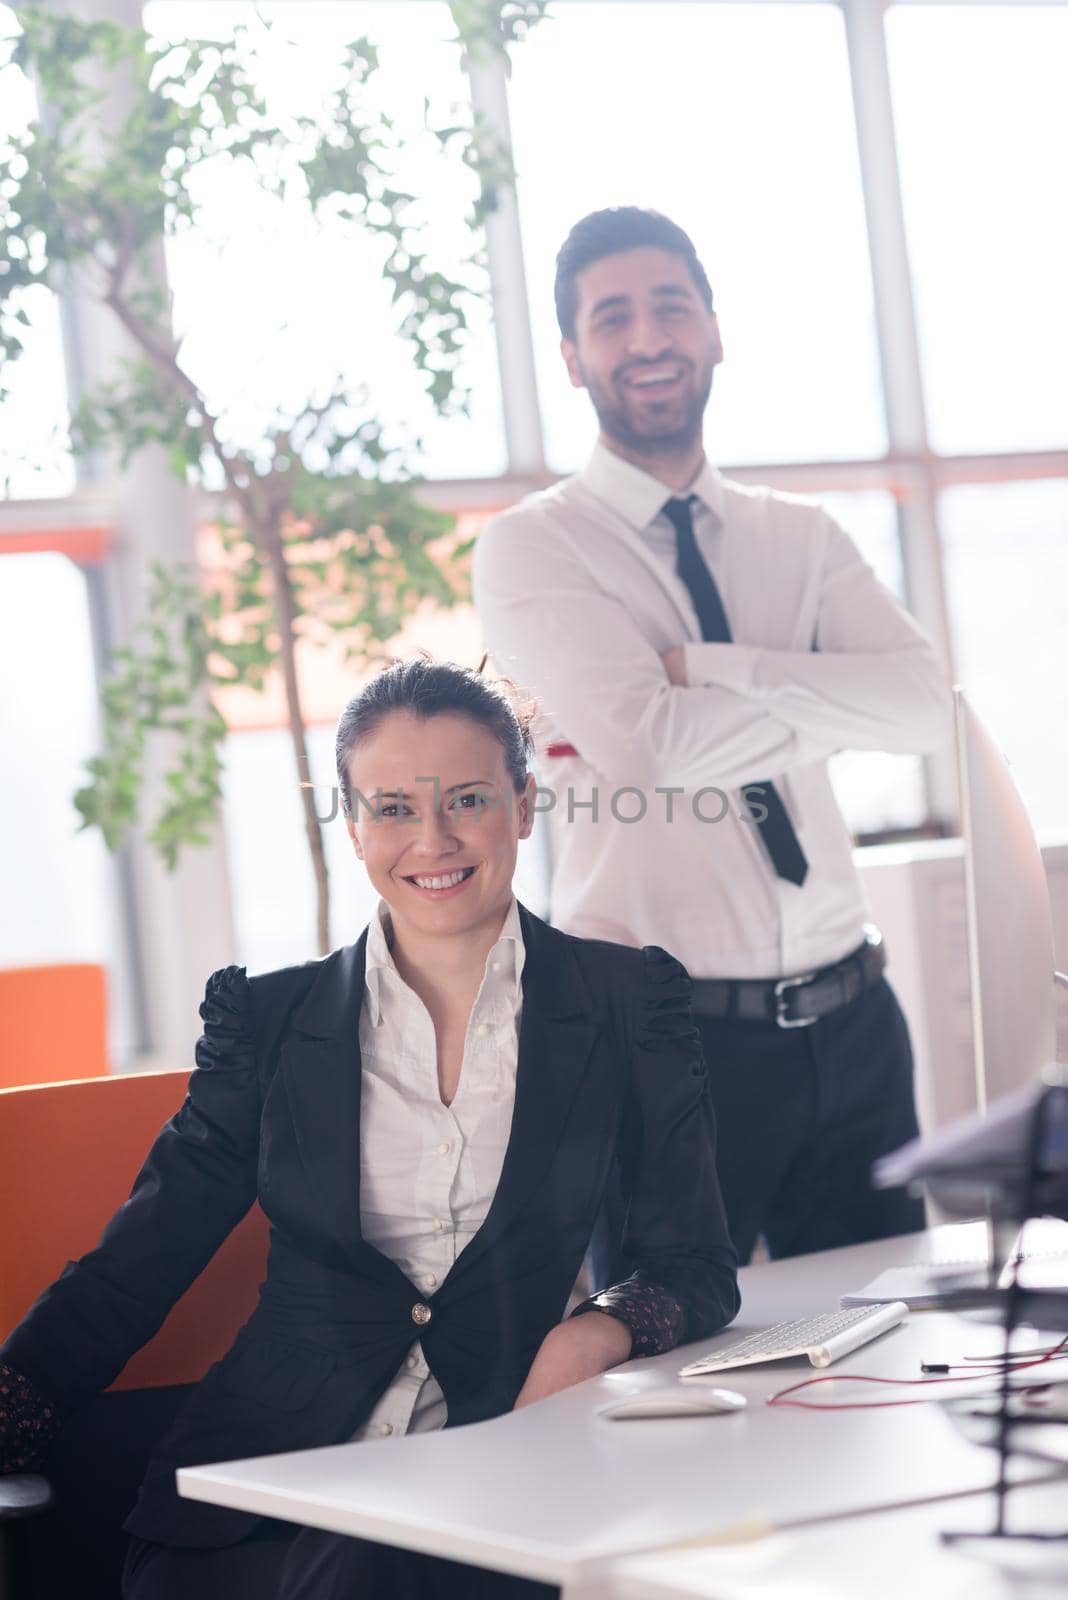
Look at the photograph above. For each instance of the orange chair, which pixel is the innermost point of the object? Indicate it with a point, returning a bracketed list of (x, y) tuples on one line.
[(69, 1153), (53, 1023)]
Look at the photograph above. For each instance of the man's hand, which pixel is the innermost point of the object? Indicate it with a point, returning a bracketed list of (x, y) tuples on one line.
[(675, 665), (576, 1349)]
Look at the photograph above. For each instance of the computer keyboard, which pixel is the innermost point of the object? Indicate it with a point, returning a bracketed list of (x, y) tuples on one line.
[(822, 1339)]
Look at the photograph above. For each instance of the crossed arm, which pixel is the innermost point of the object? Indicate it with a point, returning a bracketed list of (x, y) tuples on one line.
[(702, 713)]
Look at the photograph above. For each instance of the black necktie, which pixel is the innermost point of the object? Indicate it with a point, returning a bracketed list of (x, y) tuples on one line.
[(776, 829)]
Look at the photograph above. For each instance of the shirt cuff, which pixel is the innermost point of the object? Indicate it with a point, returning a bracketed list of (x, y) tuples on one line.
[(28, 1422), (727, 666), (650, 1311)]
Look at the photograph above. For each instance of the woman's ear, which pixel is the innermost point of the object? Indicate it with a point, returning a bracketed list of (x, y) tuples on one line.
[(525, 808), (354, 836)]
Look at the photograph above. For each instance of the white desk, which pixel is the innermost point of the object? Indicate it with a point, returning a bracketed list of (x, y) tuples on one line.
[(882, 1556), (546, 1491)]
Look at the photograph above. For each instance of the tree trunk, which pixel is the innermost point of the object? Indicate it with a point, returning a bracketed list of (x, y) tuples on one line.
[(270, 540)]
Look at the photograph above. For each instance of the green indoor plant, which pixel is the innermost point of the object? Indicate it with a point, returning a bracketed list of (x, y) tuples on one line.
[(322, 527)]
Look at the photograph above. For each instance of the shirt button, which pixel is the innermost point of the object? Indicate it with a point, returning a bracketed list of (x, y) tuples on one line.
[(429, 1282), (412, 1361), (421, 1314), (482, 1029), (384, 1430), (444, 1148)]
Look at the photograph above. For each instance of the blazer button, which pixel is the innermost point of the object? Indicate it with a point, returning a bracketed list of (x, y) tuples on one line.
[(421, 1314)]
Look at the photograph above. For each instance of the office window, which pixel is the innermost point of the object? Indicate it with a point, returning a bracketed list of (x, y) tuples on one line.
[(34, 451), (270, 868), (273, 304), (736, 120), (982, 125), (869, 516), (59, 897), (879, 794), (1007, 570)]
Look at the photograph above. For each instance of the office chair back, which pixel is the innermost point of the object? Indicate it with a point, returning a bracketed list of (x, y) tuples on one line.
[(69, 1153), (53, 1023)]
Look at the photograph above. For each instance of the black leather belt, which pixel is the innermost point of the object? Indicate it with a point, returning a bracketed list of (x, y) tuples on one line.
[(794, 1002)]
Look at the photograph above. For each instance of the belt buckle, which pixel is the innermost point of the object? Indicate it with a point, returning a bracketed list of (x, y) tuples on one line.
[(780, 993)]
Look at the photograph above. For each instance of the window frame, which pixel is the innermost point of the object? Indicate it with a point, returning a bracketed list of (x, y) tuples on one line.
[(84, 524)]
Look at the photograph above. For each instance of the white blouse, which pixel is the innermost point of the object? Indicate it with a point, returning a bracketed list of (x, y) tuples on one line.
[(428, 1171)]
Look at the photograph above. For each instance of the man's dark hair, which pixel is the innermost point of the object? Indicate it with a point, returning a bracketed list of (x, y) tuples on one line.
[(433, 689), (607, 233)]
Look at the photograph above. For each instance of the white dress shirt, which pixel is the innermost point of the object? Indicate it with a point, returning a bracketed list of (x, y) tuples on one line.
[(579, 599), (428, 1171)]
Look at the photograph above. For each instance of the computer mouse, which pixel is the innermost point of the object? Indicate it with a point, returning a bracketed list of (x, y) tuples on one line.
[(673, 1402)]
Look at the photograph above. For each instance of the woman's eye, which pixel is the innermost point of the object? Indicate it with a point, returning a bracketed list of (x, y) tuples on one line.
[(390, 810), (467, 802)]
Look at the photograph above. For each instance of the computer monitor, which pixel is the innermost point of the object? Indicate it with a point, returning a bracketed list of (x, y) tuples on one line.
[(1010, 924)]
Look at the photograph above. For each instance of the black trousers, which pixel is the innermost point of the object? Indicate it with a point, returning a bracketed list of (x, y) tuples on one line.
[(802, 1114), (279, 1561)]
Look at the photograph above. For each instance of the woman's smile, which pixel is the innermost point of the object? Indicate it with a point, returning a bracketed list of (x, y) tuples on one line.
[(439, 885)]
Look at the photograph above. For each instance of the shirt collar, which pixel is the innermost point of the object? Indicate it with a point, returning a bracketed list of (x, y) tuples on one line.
[(637, 496), (509, 951)]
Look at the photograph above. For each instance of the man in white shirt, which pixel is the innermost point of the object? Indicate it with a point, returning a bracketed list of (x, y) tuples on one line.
[(699, 649)]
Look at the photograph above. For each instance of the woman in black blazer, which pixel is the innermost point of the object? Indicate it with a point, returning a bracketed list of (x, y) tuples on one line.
[(607, 1078)]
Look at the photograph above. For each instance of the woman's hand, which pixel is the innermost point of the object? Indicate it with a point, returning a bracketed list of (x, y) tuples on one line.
[(576, 1349)]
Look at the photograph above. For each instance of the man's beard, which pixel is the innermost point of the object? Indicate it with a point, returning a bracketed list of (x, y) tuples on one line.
[(674, 435)]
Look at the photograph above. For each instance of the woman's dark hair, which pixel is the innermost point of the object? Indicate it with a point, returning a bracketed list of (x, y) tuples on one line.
[(607, 233), (433, 689)]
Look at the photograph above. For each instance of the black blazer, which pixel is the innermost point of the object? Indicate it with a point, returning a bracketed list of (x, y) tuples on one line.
[(609, 1070)]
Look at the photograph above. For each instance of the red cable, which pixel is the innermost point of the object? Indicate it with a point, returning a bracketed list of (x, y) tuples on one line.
[(1056, 1352)]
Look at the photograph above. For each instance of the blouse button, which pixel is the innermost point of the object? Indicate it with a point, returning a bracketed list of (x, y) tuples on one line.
[(482, 1029), (444, 1148), (429, 1282), (421, 1314)]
